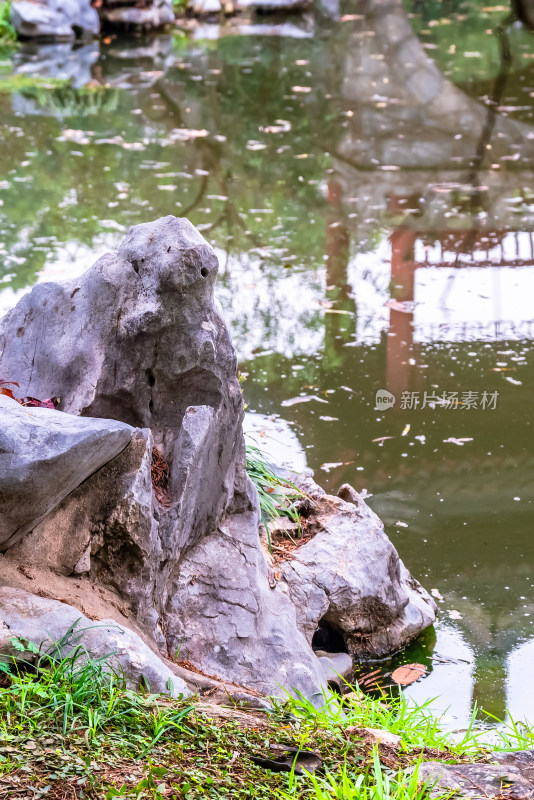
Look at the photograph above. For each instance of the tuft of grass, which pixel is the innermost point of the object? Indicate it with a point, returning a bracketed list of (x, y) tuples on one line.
[(74, 693), (277, 495), (7, 31)]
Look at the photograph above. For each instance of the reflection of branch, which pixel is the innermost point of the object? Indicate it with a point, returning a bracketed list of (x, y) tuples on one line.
[(495, 99), (202, 191)]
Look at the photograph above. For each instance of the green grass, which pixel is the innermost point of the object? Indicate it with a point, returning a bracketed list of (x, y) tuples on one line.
[(70, 727), (277, 495), (7, 31)]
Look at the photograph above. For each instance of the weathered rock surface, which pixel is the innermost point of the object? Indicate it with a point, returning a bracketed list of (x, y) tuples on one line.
[(224, 615), (46, 622), (60, 20), (44, 455), (157, 354), (350, 577), (337, 667), (154, 345), (512, 775)]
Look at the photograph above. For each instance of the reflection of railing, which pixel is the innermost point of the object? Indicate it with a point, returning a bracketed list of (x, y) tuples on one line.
[(494, 330), (460, 249), (468, 248)]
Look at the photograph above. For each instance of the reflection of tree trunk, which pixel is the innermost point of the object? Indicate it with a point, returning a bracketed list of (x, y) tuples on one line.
[(339, 326), (524, 10), (494, 101)]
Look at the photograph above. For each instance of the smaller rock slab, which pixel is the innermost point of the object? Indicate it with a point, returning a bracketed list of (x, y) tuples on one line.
[(512, 775), (44, 455), (337, 667), (45, 622)]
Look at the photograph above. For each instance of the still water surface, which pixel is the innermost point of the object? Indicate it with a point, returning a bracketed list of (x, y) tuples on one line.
[(366, 178)]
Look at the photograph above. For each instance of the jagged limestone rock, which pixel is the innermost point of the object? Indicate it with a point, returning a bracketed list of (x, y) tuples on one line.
[(139, 338), (350, 577), (224, 614)]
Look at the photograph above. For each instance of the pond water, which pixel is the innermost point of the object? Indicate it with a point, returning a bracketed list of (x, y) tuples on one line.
[(365, 175)]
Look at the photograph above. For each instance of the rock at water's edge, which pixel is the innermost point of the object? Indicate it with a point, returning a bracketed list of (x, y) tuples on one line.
[(350, 577)]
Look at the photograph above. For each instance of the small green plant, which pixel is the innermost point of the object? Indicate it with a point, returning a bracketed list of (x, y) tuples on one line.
[(71, 692), (7, 31), (277, 495)]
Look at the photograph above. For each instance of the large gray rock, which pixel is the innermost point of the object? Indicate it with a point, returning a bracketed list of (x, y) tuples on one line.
[(350, 577), (60, 20), (224, 615), (46, 622), (44, 455), (187, 563), (156, 353), (153, 345)]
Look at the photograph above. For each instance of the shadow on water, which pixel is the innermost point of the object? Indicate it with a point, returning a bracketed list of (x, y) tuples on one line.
[(365, 176)]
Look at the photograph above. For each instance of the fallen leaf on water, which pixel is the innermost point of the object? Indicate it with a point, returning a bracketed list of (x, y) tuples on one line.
[(436, 593), (306, 398), (189, 133), (406, 430), (328, 465), (330, 419), (382, 439), (453, 614), (281, 126), (407, 674), (513, 380), (459, 442), (400, 524), (301, 89)]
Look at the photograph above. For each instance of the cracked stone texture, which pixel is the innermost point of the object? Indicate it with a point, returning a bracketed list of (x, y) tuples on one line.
[(154, 348), (111, 536), (350, 576), (511, 776), (45, 622), (223, 614), (44, 455)]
